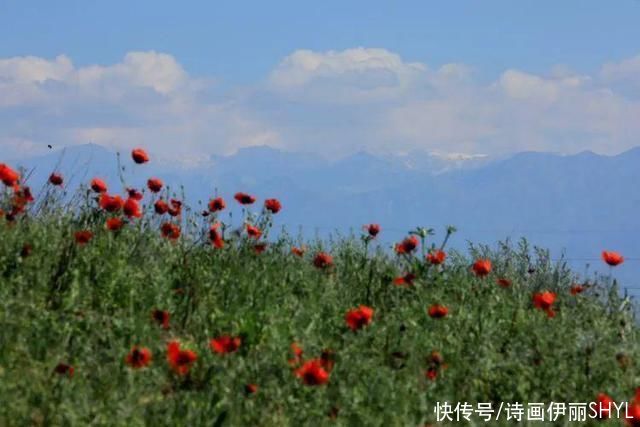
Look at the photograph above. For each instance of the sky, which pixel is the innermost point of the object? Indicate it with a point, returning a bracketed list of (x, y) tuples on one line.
[(198, 78)]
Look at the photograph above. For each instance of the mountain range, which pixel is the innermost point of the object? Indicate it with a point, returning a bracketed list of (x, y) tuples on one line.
[(576, 204)]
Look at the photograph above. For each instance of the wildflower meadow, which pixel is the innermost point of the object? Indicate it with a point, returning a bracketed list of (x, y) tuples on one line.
[(126, 306)]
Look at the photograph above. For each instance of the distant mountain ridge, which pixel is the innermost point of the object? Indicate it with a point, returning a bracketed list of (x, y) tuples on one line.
[(581, 203)]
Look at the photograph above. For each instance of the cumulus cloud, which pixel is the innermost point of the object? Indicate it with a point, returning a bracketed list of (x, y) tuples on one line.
[(331, 103)]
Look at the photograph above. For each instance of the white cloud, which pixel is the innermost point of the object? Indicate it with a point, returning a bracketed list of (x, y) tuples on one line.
[(333, 103)]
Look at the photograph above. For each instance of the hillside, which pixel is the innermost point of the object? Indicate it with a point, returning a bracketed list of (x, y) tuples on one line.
[(207, 321)]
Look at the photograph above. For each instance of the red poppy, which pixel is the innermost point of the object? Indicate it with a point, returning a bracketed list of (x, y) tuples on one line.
[(358, 318), (260, 247), (407, 279), (253, 231), (632, 415), (431, 374), (576, 289), (297, 354), (180, 360), (139, 156), (604, 403), (215, 236), (98, 185), (244, 198), (161, 207), (176, 207), (436, 257), (482, 267), (170, 231), (273, 205), (64, 369), (138, 357), (135, 194), (225, 344), (161, 317), (504, 282), (313, 373), (372, 229), (83, 237), (323, 260), (298, 251), (114, 224), (216, 205), (56, 179), (154, 184), (131, 208), (111, 203), (26, 249), (8, 176), (544, 301), (251, 388), (408, 245), (437, 311), (612, 258)]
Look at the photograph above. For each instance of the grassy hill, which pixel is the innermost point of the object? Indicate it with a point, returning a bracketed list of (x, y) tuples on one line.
[(76, 300)]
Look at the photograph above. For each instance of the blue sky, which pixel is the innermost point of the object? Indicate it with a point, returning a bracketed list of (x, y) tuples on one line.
[(551, 58)]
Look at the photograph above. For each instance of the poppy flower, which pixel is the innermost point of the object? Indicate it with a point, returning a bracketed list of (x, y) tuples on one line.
[(56, 179), (154, 184), (131, 208), (576, 289), (372, 229), (251, 388), (176, 207), (437, 311), (161, 207), (180, 360), (323, 260), (604, 403), (358, 318), (83, 237), (135, 194), (8, 176), (253, 231), (170, 231), (436, 257), (273, 205), (632, 415), (612, 258), (161, 317), (312, 373), (544, 301), (26, 250), (215, 236), (481, 267), (407, 279), (216, 205), (111, 204), (244, 198), (259, 247), (225, 344), (298, 251), (431, 374), (139, 156), (297, 354), (407, 246), (64, 369), (138, 357), (98, 185), (114, 224), (504, 282)]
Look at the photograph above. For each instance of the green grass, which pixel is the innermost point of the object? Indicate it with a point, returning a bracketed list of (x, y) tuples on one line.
[(88, 305)]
